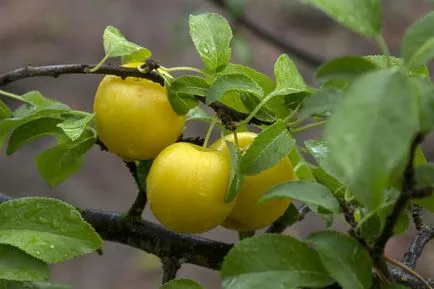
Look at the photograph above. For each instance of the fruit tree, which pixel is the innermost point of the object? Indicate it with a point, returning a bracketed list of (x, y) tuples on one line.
[(367, 168)]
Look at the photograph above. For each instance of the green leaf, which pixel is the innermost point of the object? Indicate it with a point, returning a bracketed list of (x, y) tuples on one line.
[(320, 151), (369, 136), (306, 192), (266, 83), (373, 222), (37, 99), (328, 181), (182, 92), (189, 84), (246, 102), (137, 56), (288, 79), (268, 148), (182, 103), (58, 163), (7, 284), (5, 112), (32, 130), (425, 89), (198, 114), (233, 99), (362, 16), (115, 44), (181, 284), (293, 101), (301, 167), (424, 175), (17, 265), (272, 261), (275, 107), (381, 62), (25, 116), (211, 35), (251, 102), (232, 82), (343, 68), (344, 258), (236, 178), (74, 126), (320, 103), (47, 229), (417, 46)]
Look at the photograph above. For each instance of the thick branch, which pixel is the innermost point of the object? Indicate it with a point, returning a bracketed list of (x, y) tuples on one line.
[(167, 245), (57, 70), (276, 40), (154, 239)]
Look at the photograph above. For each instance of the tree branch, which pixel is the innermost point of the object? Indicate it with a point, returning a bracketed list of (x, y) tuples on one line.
[(422, 237), (277, 41), (123, 72), (416, 214), (234, 115), (153, 238), (407, 279), (408, 187), (281, 224), (167, 245), (139, 204), (57, 70), (170, 269)]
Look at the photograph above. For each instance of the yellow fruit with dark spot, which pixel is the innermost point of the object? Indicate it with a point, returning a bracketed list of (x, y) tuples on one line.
[(134, 118), (186, 188), (247, 214)]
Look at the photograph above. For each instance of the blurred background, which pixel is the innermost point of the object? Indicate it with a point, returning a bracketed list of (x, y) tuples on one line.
[(58, 32)]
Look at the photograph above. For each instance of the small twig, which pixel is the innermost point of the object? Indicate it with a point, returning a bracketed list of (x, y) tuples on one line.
[(408, 186), (408, 270), (280, 224), (123, 72), (416, 213), (419, 242), (57, 70), (276, 40), (101, 145), (194, 140), (348, 211), (170, 268), (139, 204), (234, 115), (402, 277)]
